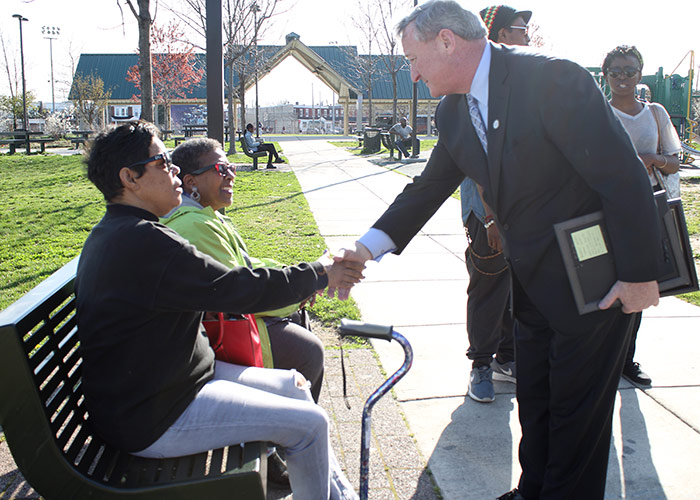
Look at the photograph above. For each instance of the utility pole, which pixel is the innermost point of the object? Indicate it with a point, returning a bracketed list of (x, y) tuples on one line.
[(414, 111), (24, 83), (256, 9), (51, 30)]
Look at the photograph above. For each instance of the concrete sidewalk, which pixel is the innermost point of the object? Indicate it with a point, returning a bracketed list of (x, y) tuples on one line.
[(471, 448)]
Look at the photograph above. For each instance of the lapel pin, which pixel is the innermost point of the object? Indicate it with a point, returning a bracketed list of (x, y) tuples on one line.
[(496, 124)]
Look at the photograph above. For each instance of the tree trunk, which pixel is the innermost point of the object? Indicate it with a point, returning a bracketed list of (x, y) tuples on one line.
[(231, 114), (241, 97), (396, 98), (144, 21)]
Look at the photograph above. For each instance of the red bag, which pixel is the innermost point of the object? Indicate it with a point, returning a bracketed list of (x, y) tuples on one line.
[(235, 341)]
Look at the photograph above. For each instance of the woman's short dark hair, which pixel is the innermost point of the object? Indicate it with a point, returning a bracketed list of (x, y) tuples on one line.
[(115, 148), (622, 51), (187, 155)]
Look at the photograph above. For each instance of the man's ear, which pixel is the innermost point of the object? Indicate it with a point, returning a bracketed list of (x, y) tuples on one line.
[(128, 178), (502, 36), (446, 38)]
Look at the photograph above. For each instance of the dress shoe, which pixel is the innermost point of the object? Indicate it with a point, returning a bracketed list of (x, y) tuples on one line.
[(270, 166), (513, 494), (633, 372)]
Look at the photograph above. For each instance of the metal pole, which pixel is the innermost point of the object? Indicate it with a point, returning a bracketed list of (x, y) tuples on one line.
[(414, 111), (256, 9), (51, 30), (24, 82), (215, 72)]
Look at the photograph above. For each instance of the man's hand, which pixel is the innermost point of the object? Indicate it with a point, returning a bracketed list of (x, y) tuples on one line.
[(494, 238), (342, 274), (356, 257), (635, 297)]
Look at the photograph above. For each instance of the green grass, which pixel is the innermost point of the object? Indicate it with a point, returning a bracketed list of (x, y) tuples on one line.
[(49, 207), (354, 146), (690, 194), (274, 218)]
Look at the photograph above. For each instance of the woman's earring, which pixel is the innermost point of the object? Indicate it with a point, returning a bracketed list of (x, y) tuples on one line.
[(195, 194)]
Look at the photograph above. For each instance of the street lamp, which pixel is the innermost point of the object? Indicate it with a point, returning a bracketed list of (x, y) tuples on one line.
[(24, 82), (51, 30), (255, 8)]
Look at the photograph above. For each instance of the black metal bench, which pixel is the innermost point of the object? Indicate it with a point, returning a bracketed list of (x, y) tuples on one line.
[(252, 154), (43, 416), (12, 144), (389, 142), (178, 139)]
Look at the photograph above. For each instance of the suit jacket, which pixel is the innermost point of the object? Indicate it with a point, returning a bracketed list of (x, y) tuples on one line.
[(555, 151)]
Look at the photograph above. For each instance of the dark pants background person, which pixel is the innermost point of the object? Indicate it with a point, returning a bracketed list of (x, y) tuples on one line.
[(489, 320), (271, 151), (404, 145)]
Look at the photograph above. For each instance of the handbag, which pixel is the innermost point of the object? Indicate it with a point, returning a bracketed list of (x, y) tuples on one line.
[(235, 341), (670, 182)]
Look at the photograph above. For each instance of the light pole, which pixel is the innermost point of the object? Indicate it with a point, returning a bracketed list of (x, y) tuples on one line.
[(51, 30), (24, 82), (256, 9)]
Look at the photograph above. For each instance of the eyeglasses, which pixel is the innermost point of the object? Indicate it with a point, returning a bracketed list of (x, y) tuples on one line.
[(167, 162), (524, 28), (223, 169), (628, 71)]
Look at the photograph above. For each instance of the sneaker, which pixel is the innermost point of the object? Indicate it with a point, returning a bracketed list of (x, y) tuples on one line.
[(633, 372), (512, 495), (481, 384), (277, 475), (505, 372), (270, 166)]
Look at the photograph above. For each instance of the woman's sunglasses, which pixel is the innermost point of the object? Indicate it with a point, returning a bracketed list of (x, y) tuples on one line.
[(628, 71), (223, 169)]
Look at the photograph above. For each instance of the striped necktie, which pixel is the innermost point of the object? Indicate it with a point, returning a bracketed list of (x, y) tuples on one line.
[(477, 121)]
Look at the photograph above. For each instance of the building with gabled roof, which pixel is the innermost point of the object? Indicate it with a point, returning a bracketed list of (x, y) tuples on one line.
[(335, 66)]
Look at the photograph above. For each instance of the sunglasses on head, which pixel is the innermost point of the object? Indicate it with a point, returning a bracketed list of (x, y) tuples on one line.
[(223, 169), (628, 71), (167, 161)]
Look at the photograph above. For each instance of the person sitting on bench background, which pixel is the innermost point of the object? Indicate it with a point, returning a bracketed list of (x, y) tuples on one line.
[(257, 145), (404, 140)]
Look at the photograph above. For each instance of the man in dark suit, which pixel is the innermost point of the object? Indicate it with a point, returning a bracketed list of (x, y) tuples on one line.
[(538, 136)]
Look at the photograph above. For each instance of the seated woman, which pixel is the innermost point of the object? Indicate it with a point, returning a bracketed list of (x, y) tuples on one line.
[(207, 183), (255, 146), (152, 386)]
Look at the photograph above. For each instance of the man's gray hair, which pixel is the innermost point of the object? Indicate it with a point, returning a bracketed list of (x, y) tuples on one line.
[(433, 16)]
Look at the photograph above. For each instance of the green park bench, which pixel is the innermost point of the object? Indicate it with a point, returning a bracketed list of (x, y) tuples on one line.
[(47, 428), (252, 154)]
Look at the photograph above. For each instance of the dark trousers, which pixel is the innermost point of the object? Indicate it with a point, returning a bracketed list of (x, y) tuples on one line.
[(403, 145), (636, 323), (566, 386), (293, 346), (271, 151), (489, 319)]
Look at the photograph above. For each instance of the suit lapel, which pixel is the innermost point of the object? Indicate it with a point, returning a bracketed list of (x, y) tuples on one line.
[(499, 95)]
